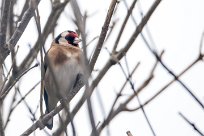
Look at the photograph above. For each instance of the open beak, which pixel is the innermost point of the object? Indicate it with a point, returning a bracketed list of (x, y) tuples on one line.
[(77, 40)]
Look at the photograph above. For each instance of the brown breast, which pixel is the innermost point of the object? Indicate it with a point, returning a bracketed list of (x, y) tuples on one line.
[(59, 54)]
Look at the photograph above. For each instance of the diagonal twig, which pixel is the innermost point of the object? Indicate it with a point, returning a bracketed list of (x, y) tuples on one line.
[(191, 124), (103, 34)]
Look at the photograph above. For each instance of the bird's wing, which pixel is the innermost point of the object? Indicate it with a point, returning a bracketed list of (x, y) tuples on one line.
[(45, 92), (78, 77)]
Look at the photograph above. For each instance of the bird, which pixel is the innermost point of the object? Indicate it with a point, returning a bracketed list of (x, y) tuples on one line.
[(63, 66)]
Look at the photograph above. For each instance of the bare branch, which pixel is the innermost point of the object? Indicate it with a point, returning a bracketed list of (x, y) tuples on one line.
[(22, 25), (4, 21), (16, 105), (168, 84), (6, 91), (123, 106), (3, 30), (92, 40), (10, 109), (172, 73), (18, 32), (124, 24), (201, 43), (191, 124), (103, 34), (139, 29), (1, 122), (51, 22), (113, 60), (129, 133), (47, 117), (6, 78)]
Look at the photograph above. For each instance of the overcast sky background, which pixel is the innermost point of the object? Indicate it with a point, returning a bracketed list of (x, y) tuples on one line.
[(176, 27)]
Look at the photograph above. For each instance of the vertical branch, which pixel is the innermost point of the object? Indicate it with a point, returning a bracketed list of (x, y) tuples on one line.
[(103, 34), (10, 32), (49, 27), (80, 22), (91, 116), (3, 29), (4, 21), (37, 20), (134, 91), (4, 50), (139, 28), (123, 25), (1, 103), (1, 78), (22, 25), (41, 84), (1, 121), (81, 26)]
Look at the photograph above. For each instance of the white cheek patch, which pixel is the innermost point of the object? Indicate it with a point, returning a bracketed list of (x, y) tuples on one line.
[(63, 41)]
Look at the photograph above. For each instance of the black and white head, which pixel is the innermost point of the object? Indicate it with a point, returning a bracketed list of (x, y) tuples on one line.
[(68, 38)]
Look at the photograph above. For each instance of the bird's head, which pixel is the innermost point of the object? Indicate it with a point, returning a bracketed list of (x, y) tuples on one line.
[(68, 37)]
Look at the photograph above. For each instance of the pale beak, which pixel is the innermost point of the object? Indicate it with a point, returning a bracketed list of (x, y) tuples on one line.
[(77, 40)]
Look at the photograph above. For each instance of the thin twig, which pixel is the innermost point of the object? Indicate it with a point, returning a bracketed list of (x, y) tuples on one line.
[(129, 12), (139, 28), (103, 34), (129, 133), (123, 106), (133, 88), (91, 116), (92, 41), (10, 109), (18, 32), (6, 78), (122, 88), (191, 124), (172, 73), (167, 85), (49, 27), (178, 80), (111, 28), (201, 43), (16, 105), (27, 105), (5, 92), (150, 37), (1, 121), (115, 58), (50, 115), (37, 20), (4, 51)]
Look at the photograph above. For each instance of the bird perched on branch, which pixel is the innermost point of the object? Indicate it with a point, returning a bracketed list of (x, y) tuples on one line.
[(63, 67)]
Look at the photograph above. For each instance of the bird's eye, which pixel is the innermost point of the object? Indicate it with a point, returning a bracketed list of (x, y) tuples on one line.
[(69, 38)]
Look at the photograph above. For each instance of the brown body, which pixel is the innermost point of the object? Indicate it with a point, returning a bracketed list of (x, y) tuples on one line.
[(66, 63), (63, 68)]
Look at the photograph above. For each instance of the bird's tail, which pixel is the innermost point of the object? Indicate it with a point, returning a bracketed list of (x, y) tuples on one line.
[(49, 124)]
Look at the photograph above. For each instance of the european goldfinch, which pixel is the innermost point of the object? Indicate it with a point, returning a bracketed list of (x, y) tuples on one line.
[(65, 60)]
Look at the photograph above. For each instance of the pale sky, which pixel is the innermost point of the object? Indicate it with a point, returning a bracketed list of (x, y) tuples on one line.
[(176, 27)]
